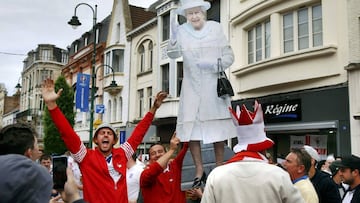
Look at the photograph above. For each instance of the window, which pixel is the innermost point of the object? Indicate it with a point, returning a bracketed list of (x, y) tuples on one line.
[(179, 77), (166, 27), (107, 62), (299, 32), (288, 30), (317, 25), (303, 29), (149, 95), (117, 36), (109, 111), (29, 82), (259, 42), (142, 58), (165, 77), (46, 54), (44, 74), (120, 109), (151, 55), (114, 110), (145, 58), (64, 56), (141, 102), (115, 59), (118, 60)]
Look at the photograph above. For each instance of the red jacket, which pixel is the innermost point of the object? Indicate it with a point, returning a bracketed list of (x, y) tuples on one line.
[(159, 185), (97, 182)]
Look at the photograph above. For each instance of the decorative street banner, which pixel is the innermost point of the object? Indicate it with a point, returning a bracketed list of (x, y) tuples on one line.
[(122, 137), (82, 92)]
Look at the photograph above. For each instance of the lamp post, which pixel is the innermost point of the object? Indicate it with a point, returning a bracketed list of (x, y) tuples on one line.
[(113, 86), (75, 22), (18, 87), (113, 82)]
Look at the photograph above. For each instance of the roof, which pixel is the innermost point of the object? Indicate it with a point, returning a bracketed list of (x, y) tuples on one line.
[(140, 16)]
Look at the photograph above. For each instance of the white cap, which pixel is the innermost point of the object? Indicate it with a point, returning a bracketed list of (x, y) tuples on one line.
[(312, 152), (330, 158)]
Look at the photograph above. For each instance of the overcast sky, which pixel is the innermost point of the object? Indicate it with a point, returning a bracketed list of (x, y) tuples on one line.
[(26, 23)]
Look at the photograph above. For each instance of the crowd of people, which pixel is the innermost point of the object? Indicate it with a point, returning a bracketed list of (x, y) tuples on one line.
[(109, 174)]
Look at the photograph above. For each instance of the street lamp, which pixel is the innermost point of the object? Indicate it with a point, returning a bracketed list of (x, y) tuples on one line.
[(113, 87), (75, 22), (29, 116), (18, 87), (113, 84)]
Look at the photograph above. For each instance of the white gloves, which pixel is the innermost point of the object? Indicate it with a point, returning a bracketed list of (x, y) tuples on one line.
[(206, 64)]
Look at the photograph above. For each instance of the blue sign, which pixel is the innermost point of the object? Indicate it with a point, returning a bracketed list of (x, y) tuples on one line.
[(122, 137), (100, 108), (82, 92), (282, 111)]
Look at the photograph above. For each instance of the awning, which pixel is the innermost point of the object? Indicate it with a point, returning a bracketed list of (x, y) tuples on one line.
[(301, 126)]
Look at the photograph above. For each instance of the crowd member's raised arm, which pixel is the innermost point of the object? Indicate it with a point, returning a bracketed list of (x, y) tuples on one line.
[(71, 139), (139, 132), (49, 95)]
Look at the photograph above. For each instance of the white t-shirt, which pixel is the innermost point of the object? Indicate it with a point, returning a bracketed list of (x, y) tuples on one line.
[(133, 181), (76, 171)]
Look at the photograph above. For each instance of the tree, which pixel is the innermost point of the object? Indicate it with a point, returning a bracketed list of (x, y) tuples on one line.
[(53, 144)]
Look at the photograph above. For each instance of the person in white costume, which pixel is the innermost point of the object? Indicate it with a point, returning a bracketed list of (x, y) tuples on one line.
[(247, 176), (133, 172), (202, 116)]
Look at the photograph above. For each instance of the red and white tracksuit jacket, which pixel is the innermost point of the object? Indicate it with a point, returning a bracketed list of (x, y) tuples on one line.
[(99, 186)]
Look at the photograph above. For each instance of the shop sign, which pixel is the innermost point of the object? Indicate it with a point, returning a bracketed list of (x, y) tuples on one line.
[(282, 111)]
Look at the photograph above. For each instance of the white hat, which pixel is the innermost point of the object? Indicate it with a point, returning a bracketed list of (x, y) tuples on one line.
[(250, 129), (312, 152), (186, 4), (105, 125), (330, 158)]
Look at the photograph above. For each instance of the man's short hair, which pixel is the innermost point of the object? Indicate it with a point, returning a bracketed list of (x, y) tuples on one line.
[(303, 158), (45, 157), (17, 138), (157, 143)]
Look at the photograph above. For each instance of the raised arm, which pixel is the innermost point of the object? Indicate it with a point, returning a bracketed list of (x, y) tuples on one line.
[(49, 95), (174, 144), (142, 127), (68, 135), (152, 171), (181, 155), (160, 96), (173, 48)]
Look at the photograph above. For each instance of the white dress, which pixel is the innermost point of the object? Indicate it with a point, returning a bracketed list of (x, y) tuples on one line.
[(202, 114)]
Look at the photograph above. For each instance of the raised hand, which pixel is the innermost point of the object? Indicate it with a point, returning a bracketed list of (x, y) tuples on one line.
[(160, 96), (174, 142), (173, 29), (48, 93)]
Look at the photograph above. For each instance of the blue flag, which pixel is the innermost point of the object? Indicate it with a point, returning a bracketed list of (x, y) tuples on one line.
[(122, 137), (82, 92)]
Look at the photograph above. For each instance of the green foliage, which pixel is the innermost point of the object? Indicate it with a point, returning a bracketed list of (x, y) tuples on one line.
[(52, 141)]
